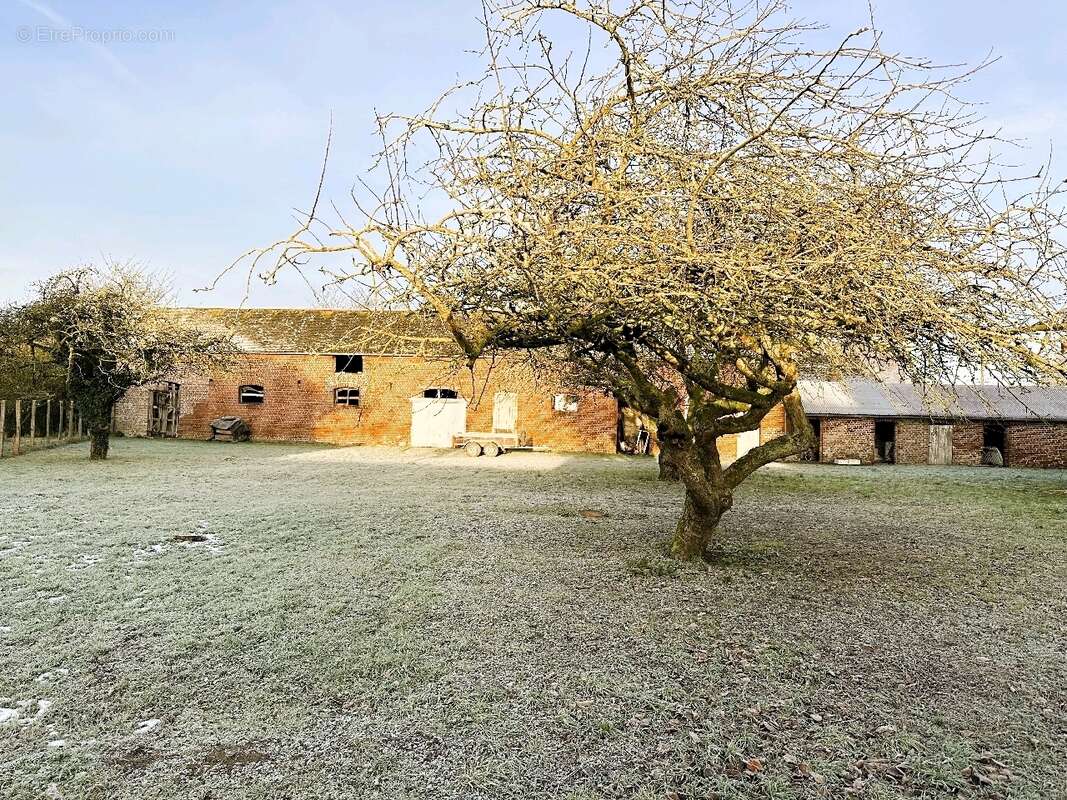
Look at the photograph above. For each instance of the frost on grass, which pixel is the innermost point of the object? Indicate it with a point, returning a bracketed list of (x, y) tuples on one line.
[(378, 624), (23, 712)]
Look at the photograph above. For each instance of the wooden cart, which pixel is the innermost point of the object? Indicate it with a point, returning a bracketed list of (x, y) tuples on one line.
[(494, 444)]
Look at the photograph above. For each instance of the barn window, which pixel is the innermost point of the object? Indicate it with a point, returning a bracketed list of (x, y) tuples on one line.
[(346, 396), (442, 394), (565, 402), (348, 363), (250, 393)]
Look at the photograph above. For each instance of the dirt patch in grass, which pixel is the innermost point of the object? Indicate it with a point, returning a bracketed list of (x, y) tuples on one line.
[(382, 625), (230, 758), (189, 537), (136, 759)]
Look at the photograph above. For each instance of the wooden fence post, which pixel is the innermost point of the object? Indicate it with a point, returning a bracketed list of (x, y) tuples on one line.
[(59, 427), (3, 426), (81, 429), (33, 423), (70, 419), (18, 428), (48, 421)]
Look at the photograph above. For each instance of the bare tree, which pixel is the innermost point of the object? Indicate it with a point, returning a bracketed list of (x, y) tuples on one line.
[(108, 331), (695, 206)]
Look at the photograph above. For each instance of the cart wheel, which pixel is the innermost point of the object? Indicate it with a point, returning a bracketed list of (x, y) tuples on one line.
[(473, 449), (493, 449)]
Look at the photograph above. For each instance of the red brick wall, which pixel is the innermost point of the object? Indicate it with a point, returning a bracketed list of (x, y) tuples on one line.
[(847, 437), (912, 442), (1027, 444), (967, 443), (727, 447), (1036, 444), (299, 403), (772, 425)]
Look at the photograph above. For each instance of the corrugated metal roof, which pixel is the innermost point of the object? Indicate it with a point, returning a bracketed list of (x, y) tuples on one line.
[(312, 330), (867, 398)]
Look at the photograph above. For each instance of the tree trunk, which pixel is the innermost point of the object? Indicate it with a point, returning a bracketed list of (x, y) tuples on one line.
[(98, 444), (696, 528), (668, 465)]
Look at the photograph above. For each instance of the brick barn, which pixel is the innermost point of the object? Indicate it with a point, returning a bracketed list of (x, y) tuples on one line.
[(391, 378), (872, 422), (379, 378), (353, 377)]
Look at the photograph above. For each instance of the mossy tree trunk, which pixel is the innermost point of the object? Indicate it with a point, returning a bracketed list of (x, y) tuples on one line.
[(99, 443), (695, 533), (96, 411), (709, 486), (671, 445), (668, 470)]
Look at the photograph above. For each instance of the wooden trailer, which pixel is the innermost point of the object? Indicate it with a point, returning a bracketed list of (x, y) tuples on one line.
[(492, 444)]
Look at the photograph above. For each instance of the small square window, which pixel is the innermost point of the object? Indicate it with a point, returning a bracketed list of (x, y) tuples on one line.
[(250, 394), (442, 394), (567, 403), (346, 397), (348, 363)]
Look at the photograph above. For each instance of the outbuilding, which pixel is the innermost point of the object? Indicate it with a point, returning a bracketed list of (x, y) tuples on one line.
[(872, 422), (356, 377)]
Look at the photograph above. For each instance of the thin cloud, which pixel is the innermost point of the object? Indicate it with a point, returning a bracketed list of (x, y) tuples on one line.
[(99, 48)]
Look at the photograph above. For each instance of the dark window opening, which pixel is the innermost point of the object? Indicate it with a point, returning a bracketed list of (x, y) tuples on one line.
[(346, 396), (441, 394), (348, 363), (993, 439), (250, 393), (885, 440)]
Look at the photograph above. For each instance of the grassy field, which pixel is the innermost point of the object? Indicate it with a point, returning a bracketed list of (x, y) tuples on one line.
[(202, 621)]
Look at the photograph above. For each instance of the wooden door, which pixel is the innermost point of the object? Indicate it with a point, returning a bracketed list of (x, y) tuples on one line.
[(505, 412), (163, 416), (940, 444), (158, 411)]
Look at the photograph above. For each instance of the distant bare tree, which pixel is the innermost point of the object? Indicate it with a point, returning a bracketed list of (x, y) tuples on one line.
[(695, 206), (107, 330)]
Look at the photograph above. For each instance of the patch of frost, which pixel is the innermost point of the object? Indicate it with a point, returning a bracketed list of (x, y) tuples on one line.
[(151, 550), (44, 676), (87, 560), (147, 725)]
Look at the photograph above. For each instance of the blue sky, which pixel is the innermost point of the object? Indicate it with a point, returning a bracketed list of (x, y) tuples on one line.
[(184, 152)]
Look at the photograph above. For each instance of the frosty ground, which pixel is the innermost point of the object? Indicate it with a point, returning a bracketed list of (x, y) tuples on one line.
[(193, 620)]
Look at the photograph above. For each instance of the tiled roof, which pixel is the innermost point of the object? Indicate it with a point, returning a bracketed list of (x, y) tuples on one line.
[(312, 330), (866, 398)]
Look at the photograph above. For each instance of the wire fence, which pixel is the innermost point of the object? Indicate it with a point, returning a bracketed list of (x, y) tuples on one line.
[(34, 423)]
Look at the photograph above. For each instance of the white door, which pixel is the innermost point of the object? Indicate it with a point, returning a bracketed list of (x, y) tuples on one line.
[(434, 421), (747, 440), (505, 412)]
